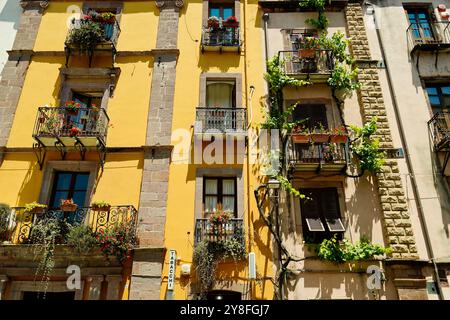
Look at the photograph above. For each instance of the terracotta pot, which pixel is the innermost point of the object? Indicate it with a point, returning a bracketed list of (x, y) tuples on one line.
[(101, 208), (338, 138), (300, 138), (230, 24), (320, 137), (307, 53), (68, 207)]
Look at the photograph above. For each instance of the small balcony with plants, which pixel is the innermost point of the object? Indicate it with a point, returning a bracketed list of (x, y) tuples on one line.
[(93, 33), (227, 121), (221, 35), (318, 149), (426, 35), (71, 126)]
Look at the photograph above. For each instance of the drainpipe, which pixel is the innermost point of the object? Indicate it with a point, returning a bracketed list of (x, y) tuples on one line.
[(407, 155)]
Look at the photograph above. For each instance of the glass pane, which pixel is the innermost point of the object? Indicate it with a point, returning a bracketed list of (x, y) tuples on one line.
[(228, 204), (219, 95), (211, 186), (445, 90), (432, 91), (63, 181), (227, 12), (434, 100), (210, 204), (228, 186), (214, 12), (81, 181), (57, 198), (78, 198)]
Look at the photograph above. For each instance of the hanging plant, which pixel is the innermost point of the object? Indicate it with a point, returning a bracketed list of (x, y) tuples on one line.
[(86, 36), (82, 239), (117, 241)]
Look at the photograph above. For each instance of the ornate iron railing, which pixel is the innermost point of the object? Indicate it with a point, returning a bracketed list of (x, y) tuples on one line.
[(302, 62), (226, 37), (21, 222), (439, 128), (214, 232), (221, 120), (432, 33), (324, 153), (75, 123)]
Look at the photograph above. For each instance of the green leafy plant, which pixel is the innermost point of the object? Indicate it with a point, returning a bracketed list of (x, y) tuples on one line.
[(343, 251), (366, 148), (117, 241), (87, 35), (81, 237), (31, 206), (221, 216), (5, 221), (321, 22), (207, 255), (287, 186)]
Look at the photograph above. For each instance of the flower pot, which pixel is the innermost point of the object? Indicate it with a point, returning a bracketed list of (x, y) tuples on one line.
[(300, 138), (320, 137), (307, 53), (72, 112), (101, 208), (213, 24), (68, 207), (231, 24), (338, 138)]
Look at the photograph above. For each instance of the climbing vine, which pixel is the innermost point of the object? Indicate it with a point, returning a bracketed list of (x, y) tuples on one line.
[(321, 22)]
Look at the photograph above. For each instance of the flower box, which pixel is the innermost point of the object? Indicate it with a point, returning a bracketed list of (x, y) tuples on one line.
[(338, 138), (320, 137), (101, 208), (37, 210), (69, 207), (307, 53), (300, 138)]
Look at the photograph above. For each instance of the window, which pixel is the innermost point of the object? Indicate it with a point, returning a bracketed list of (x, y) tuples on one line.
[(439, 97), (420, 23), (86, 118), (321, 217), (297, 37), (69, 185), (219, 192), (220, 94), (315, 115), (221, 10)]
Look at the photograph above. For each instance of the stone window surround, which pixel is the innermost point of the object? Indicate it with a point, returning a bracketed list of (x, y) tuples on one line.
[(205, 12), (18, 287), (74, 166), (297, 214), (333, 117), (105, 5), (205, 76), (218, 172), (88, 80)]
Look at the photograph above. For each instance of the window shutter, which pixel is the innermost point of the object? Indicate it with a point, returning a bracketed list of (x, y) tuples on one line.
[(330, 210), (311, 210)]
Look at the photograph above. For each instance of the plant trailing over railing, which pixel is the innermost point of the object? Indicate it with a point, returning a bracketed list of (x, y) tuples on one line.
[(117, 241), (321, 22), (366, 148), (208, 254), (82, 238), (344, 251), (34, 207), (86, 36)]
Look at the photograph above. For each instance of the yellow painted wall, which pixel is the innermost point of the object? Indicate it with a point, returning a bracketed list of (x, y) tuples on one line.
[(179, 234)]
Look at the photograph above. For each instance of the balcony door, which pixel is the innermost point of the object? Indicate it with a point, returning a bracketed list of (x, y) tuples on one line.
[(420, 24), (69, 185), (222, 11), (219, 193), (85, 119), (220, 96)]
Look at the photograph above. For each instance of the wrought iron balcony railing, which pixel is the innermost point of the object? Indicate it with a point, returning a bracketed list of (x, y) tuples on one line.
[(214, 232), (221, 120), (221, 39), (307, 61), (316, 156), (20, 223), (70, 127), (439, 128), (428, 36)]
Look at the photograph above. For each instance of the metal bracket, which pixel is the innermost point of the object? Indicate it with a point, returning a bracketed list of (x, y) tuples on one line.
[(81, 148), (61, 148), (101, 154), (40, 152)]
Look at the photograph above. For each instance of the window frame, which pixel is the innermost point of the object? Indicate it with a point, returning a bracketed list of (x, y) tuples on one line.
[(220, 194), (221, 6), (440, 95), (71, 189)]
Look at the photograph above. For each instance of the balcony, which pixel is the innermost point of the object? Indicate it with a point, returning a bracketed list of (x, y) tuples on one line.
[(308, 64), (230, 121), (439, 127), (107, 45), (434, 36), (66, 127), (20, 222), (225, 39), (307, 155), (215, 232)]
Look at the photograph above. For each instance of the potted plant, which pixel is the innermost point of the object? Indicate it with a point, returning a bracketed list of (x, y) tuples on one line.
[(321, 135), (67, 205), (72, 107), (86, 36), (301, 135), (232, 21), (308, 48), (100, 206), (339, 135), (328, 152), (218, 221), (213, 22), (35, 208), (74, 131)]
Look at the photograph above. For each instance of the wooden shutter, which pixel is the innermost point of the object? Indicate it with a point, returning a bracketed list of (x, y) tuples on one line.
[(330, 210), (311, 210)]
